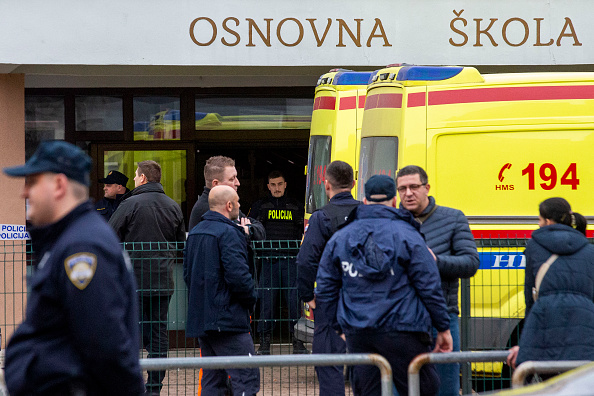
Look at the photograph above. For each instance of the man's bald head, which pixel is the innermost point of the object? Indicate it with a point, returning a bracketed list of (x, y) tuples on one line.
[(224, 200)]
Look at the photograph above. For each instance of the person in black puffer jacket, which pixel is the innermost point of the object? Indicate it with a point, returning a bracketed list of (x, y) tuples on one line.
[(448, 235), (560, 323)]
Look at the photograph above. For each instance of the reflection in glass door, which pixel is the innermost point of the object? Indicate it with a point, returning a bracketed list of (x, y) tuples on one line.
[(173, 168)]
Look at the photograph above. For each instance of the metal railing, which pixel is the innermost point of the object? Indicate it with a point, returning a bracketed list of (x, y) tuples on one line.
[(276, 361), (543, 367), (414, 368)]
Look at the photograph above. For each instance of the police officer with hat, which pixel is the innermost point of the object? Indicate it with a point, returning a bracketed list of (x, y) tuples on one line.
[(114, 189), (80, 333)]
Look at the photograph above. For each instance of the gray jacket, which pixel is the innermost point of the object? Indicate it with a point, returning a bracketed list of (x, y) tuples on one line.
[(448, 235)]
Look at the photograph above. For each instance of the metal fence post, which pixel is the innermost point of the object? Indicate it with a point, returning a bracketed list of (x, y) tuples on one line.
[(465, 334)]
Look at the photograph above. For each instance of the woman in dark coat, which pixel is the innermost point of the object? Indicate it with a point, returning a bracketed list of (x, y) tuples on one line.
[(560, 324)]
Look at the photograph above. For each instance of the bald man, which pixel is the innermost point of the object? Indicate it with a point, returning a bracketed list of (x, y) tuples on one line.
[(221, 292)]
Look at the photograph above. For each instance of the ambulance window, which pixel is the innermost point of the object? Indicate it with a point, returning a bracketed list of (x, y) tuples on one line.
[(379, 156), (318, 159)]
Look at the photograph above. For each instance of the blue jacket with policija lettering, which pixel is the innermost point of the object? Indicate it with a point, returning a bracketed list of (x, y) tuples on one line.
[(448, 235), (81, 321), (376, 274), (221, 290), (320, 228)]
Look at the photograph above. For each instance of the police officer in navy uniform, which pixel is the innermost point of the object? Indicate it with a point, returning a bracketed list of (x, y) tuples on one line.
[(80, 333), (114, 189), (282, 218), (322, 225)]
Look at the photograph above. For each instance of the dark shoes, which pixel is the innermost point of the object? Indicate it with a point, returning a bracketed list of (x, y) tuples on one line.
[(299, 348), (264, 348)]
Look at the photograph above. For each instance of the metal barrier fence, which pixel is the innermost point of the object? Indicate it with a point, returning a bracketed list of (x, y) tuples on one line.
[(414, 368), (276, 361), (491, 305), (553, 367)]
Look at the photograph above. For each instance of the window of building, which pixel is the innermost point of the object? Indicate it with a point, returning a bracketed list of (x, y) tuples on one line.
[(156, 118), (44, 120), (232, 113), (98, 113)]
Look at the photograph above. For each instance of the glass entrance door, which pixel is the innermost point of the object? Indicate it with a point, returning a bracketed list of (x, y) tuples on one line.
[(175, 167)]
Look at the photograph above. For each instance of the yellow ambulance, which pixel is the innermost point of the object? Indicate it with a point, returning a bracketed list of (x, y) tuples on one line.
[(335, 129), (494, 146)]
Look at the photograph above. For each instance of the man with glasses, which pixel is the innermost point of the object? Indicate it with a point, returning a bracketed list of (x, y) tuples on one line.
[(449, 237)]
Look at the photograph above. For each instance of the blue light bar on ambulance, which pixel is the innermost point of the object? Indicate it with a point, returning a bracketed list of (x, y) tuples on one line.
[(427, 73), (352, 78)]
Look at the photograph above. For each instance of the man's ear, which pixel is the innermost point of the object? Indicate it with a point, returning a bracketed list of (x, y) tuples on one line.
[(215, 182), (393, 203)]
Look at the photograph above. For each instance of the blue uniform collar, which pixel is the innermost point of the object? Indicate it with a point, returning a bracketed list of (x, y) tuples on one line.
[(341, 196), (44, 237)]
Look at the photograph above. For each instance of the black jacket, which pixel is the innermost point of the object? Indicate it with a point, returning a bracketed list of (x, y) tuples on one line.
[(282, 217), (146, 214), (221, 291), (82, 315), (257, 232), (319, 229), (560, 324), (448, 235)]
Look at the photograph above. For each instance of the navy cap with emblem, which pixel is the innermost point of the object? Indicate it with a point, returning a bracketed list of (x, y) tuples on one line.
[(115, 177), (56, 156), (380, 188)]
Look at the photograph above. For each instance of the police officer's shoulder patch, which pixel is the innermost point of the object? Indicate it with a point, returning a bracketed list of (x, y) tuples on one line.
[(80, 268)]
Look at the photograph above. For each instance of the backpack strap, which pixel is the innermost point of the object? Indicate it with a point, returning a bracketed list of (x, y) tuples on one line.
[(542, 271), (421, 219)]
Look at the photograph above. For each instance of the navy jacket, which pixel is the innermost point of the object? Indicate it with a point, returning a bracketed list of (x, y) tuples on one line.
[(376, 274), (107, 206), (318, 232), (147, 214), (221, 291), (448, 235), (560, 324), (82, 319)]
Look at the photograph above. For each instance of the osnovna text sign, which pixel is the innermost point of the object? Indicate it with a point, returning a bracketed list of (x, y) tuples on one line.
[(298, 33)]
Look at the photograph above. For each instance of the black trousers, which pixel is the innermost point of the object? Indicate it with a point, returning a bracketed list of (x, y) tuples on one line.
[(278, 277), (244, 381), (399, 348), (153, 320), (326, 340)]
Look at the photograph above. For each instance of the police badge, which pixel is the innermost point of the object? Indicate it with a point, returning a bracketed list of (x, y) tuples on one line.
[(80, 269)]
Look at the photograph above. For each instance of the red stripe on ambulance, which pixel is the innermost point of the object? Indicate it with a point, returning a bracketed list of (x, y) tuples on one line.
[(508, 94), (325, 103)]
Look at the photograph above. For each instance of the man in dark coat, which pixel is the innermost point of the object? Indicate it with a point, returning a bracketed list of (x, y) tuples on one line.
[(221, 293), (147, 215), (114, 189), (379, 286), (80, 333), (322, 225), (282, 217), (220, 170), (448, 235)]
